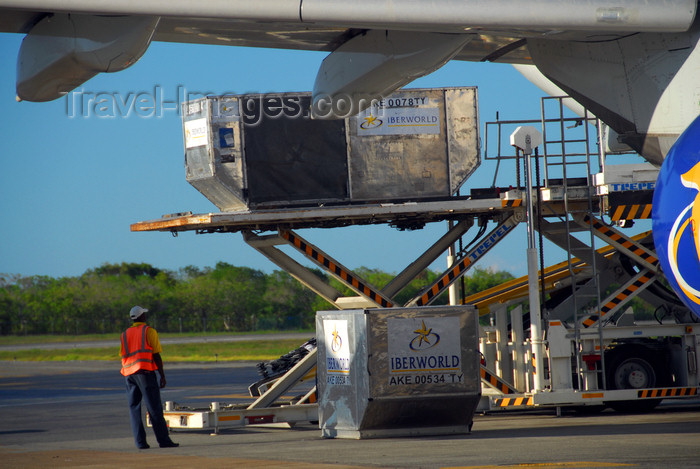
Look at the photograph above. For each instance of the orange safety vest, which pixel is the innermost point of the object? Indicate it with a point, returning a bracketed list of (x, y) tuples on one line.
[(138, 354)]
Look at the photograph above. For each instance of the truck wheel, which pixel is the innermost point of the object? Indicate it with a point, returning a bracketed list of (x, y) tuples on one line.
[(633, 373), (632, 369)]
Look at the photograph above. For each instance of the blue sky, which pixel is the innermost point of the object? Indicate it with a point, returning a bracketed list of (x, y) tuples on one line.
[(71, 186)]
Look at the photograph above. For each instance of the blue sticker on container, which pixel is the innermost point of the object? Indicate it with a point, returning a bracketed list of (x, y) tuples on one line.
[(226, 138)]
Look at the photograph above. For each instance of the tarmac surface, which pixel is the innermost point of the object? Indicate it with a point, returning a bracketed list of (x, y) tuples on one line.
[(74, 415)]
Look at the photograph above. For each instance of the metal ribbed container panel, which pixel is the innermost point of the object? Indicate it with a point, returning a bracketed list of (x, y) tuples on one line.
[(397, 371), (263, 150)]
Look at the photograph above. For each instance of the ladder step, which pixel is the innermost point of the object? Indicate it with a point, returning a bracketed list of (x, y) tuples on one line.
[(573, 140), (567, 162), (568, 156)]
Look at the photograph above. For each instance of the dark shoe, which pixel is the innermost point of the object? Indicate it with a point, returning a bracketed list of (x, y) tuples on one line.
[(145, 446), (171, 444)]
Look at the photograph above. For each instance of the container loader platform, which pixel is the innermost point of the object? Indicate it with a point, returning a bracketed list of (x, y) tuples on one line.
[(270, 406), (586, 351)]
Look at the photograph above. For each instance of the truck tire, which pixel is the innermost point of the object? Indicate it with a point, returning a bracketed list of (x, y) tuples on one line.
[(632, 368)]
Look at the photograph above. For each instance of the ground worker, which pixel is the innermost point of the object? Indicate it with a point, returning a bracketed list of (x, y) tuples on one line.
[(140, 352)]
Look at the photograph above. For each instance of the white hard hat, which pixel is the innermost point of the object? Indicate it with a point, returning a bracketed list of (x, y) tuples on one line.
[(137, 311)]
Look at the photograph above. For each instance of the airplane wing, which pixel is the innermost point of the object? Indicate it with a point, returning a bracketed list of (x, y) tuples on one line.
[(627, 61), (486, 46), (318, 38), (490, 30)]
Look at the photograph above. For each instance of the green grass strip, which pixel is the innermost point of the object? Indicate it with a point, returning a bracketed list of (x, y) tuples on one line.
[(256, 350), (46, 338)]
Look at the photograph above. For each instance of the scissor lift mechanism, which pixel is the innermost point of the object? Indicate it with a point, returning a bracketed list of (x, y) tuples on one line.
[(505, 210), (572, 204), (266, 409)]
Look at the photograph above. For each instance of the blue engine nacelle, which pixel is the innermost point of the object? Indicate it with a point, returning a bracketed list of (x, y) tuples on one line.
[(676, 217)]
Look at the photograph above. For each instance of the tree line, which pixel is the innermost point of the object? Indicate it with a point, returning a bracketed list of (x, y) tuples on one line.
[(191, 299)]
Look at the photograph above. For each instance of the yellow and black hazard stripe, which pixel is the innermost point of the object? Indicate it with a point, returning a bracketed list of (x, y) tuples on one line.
[(630, 212), (523, 401), (486, 243), (621, 240), (511, 203), (666, 392), (444, 282), (630, 205), (619, 298), (496, 382), (333, 267)]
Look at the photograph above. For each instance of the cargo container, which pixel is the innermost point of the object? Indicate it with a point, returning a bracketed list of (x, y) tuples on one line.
[(263, 150), (397, 371)]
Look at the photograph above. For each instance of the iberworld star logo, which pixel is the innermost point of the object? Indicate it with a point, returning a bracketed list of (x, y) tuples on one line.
[(371, 122), (337, 341), (676, 217), (425, 339), (691, 180)]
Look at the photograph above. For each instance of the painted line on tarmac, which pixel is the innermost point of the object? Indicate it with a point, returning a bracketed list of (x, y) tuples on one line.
[(548, 464), (235, 396)]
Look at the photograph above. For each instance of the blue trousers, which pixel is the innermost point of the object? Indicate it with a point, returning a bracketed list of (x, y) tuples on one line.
[(143, 385)]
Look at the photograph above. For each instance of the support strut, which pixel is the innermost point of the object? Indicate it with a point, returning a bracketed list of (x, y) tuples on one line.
[(461, 265)]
